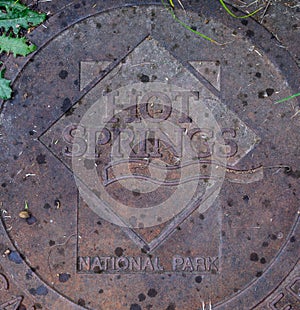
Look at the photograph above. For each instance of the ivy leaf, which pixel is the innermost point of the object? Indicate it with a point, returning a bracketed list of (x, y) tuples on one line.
[(17, 16), (16, 46), (5, 89)]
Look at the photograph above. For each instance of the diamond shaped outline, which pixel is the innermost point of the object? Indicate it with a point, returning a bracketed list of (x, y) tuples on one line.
[(188, 210)]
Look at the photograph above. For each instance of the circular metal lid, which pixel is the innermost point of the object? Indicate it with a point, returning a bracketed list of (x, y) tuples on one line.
[(158, 171)]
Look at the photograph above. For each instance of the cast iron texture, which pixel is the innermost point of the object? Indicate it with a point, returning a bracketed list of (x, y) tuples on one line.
[(248, 237)]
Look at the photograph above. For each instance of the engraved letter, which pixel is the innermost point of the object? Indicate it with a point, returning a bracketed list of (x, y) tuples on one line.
[(185, 101), (199, 264), (110, 107), (212, 264), (106, 260), (122, 263), (231, 145), (96, 263), (157, 265), (74, 136), (84, 263), (201, 142), (176, 262), (187, 266), (165, 107), (147, 264), (135, 263)]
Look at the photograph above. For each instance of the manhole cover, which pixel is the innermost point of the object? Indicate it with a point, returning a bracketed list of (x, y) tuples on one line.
[(157, 169)]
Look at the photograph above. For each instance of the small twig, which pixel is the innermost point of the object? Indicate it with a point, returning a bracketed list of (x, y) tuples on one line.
[(180, 3), (64, 243), (295, 114), (265, 11)]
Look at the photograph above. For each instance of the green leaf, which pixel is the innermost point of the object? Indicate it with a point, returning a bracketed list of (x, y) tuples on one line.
[(171, 3), (17, 16), (5, 89), (288, 98), (16, 46)]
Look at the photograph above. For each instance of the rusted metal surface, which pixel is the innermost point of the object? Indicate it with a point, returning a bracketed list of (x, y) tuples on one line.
[(227, 241)]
